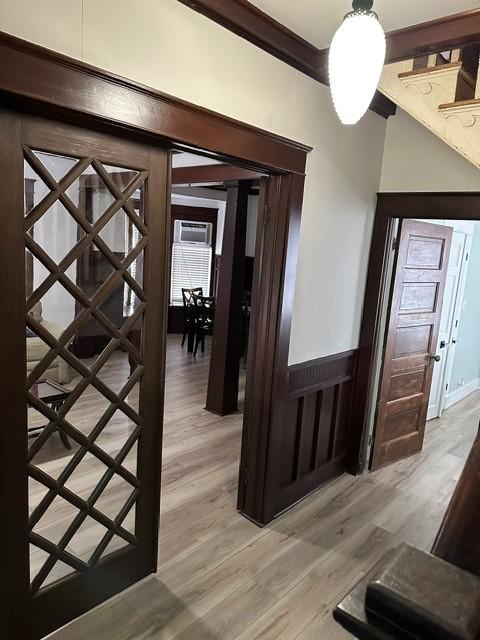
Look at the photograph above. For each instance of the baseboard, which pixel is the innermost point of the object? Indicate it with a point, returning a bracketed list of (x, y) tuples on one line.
[(461, 393)]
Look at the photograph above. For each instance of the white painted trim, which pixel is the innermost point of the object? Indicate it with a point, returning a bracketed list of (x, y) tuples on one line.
[(455, 324), (462, 392)]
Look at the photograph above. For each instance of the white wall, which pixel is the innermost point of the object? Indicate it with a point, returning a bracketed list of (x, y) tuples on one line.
[(169, 47), (417, 160)]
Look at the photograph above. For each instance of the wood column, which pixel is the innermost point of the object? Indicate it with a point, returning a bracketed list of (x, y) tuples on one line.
[(222, 394)]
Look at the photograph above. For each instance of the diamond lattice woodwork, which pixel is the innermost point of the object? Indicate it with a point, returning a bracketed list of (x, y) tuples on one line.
[(85, 237)]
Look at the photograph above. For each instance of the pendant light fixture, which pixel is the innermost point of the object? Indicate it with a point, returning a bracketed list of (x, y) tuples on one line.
[(355, 63)]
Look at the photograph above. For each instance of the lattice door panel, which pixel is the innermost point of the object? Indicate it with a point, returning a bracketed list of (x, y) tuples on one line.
[(85, 243)]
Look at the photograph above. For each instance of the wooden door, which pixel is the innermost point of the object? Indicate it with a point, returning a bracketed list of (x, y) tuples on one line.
[(80, 452), (415, 312)]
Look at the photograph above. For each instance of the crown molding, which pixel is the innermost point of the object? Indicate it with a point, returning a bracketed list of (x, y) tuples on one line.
[(252, 24)]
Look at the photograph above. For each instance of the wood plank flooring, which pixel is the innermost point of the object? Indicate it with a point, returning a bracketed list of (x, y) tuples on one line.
[(222, 578)]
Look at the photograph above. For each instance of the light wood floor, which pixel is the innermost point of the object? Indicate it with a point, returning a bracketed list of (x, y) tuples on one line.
[(222, 578)]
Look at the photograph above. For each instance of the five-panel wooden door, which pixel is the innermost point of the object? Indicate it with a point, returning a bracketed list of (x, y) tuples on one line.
[(83, 276), (420, 271)]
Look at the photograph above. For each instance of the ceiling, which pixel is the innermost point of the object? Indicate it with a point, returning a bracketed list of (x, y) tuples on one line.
[(317, 20), (190, 160)]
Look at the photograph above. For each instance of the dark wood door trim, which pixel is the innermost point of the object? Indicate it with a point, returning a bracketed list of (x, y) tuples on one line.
[(14, 578), (35, 79), (32, 77), (431, 206), (212, 173), (266, 393)]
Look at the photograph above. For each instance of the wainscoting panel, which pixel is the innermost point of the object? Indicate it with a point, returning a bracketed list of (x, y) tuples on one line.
[(318, 425)]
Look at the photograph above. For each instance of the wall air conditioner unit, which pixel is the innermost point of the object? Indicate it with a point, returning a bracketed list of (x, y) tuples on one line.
[(189, 232)]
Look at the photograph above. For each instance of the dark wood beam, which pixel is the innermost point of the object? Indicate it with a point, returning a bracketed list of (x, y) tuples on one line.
[(222, 394), (247, 21), (451, 32), (212, 173), (48, 83), (252, 24)]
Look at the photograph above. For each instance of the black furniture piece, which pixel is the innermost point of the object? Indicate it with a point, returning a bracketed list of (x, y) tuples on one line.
[(204, 319), (414, 595), (55, 395), (189, 315)]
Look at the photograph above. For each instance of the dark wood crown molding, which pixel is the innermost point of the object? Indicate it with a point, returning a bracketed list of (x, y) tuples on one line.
[(205, 173), (450, 32), (86, 95), (252, 24)]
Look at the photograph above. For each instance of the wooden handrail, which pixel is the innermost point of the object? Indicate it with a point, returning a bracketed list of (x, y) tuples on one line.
[(464, 60), (414, 595), (458, 540)]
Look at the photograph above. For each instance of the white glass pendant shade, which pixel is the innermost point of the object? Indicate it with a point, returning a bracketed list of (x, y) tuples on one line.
[(356, 59)]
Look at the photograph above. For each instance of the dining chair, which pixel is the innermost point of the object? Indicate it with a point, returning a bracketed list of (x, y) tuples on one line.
[(204, 319), (189, 310)]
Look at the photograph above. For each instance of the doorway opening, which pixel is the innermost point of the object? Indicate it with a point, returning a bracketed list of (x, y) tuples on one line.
[(426, 358), (213, 249)]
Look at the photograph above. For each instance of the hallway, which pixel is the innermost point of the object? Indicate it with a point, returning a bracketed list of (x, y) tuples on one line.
[(222, 578)]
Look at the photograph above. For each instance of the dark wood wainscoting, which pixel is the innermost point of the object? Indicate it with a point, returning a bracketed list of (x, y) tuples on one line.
[(318, 421)]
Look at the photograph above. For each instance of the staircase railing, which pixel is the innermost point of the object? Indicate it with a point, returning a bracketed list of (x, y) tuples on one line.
[(411, 594)]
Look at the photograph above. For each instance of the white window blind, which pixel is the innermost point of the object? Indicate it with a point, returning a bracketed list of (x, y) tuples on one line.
[(191, 268)]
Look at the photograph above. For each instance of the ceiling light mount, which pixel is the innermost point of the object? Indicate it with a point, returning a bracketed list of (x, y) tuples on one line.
[(362, 5), (356, 59)]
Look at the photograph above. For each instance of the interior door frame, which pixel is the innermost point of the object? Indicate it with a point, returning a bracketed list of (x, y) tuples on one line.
[(436, 388), (457, 205), (453, 331), (36, 80), (35, 613)]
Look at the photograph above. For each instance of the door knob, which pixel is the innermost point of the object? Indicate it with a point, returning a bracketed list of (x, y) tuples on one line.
[(435, 358)]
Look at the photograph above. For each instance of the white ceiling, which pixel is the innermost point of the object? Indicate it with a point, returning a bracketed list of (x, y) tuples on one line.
[(317, 20), (190, 160)]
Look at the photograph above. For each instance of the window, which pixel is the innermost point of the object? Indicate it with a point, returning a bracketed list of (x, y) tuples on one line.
[(191, 267)]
